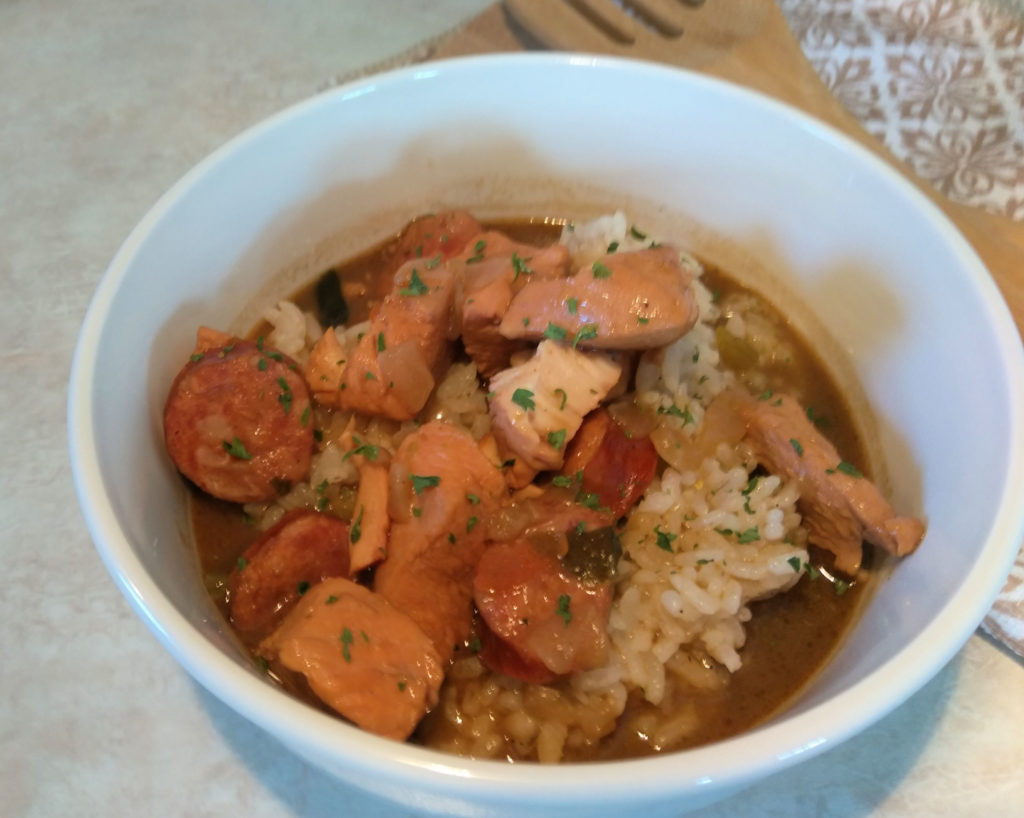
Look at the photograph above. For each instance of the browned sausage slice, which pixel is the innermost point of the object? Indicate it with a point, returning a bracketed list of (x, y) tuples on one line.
[(302, 549), (542, 611), (361, 656), (237, 422)]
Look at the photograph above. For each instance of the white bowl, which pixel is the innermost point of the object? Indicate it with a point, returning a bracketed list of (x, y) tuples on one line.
[(904, 298)]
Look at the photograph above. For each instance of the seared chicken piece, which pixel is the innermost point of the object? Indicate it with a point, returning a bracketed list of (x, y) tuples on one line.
[(537, 407), (629, 300)]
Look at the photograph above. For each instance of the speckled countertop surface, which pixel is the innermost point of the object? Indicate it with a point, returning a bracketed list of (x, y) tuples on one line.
[(103, 105)]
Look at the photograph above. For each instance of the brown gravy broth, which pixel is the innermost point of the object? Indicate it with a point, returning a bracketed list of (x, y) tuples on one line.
[(790, 636)]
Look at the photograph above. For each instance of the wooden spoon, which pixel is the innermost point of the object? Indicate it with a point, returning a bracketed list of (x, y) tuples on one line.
[(749, 42)]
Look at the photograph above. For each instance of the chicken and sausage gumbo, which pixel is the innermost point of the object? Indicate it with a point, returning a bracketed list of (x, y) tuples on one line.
[(529, 491)]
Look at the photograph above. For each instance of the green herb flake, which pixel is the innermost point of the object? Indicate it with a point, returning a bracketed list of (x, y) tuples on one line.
[(381, 343), (471, 523), (664, 539), (369, 375), (848, 468), (302, 587), (556, 439), (417, 511), (642, 320), (562, 481), (685, 414), (589, 499), (322, 503), (554, 332), (304, 417), (473, 499), (749, 535), (346, 641), (367, 450), (262, 364), (478, 252), (263, 664), (796, 446), (474, 644), (766, 395), (236, 449), (519, 266), (434, 262), (285, 398), (841, 586), (524, 398), (415, 287), (572, 304), (587, 331), (242, 562), (612, 247), (420, 482), (563, 609), (600, 270), (355, 533), (451, 537), (401, 686), (275, 356), (795, 563), (330, 600), (636, 234), (565, 397)]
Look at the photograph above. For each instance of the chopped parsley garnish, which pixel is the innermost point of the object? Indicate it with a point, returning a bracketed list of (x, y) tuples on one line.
[(262, 364), (285, 398), (612, 247), (848, 468), (432, 263), (841, 586), (478, 252), (346, 641), (471, 523), (749, 535), (275, 356), (236, 449), (451, 537), (563, 480), (675, 411), (664, 539), (524, 398), (556, 439), (381, 343), (795, 563), (304, 418), (330, 600), (473, 499), (600, 270), (766, 395), (796, 446), (563, 609), (587, 331), (589, 499), (416, 285), (367, 450), (565, 397), (356, 532), (572, 304), (196, 357), (520, 267), (420, 482), (751, 485), (302, 587), (554, 332), (401, 686), (642, 320), (242, 562), (636, 234)]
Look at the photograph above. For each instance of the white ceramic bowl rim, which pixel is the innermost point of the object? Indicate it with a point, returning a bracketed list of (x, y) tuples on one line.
[(764, 750)]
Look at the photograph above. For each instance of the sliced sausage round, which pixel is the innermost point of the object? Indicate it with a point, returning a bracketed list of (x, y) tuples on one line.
[(238, 424), (302, 549)]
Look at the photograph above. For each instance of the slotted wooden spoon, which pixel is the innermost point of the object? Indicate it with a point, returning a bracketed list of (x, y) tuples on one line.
[(749, 42)]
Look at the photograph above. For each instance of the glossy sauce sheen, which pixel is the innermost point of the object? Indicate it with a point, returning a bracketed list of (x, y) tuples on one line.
[(790, 636)]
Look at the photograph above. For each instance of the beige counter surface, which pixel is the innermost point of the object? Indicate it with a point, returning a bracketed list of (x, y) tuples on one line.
[(103, 105)]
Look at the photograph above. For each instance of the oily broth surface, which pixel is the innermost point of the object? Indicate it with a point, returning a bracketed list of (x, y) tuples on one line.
[(790, 636)]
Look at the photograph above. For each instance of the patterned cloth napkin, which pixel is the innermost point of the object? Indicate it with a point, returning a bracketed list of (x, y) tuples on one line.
[(941, 83)]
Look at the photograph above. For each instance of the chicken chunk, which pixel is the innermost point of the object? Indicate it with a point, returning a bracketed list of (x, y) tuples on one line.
[(361, 656), (442, 488), (841, 507), (630, 300), (394, 366), (537, 407), (496, 269)]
